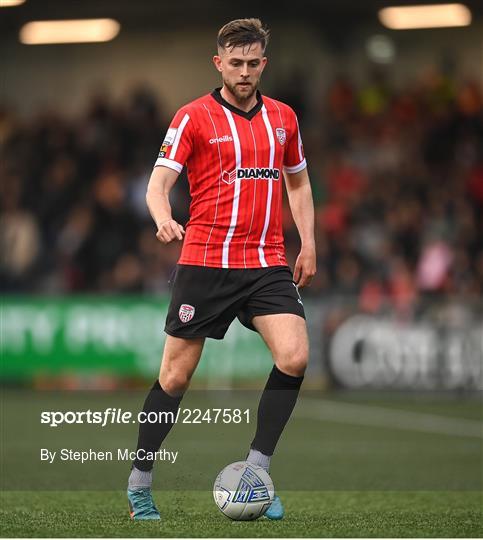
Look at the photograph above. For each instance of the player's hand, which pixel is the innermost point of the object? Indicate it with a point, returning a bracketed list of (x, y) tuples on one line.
[(305, 267), (169, 230)]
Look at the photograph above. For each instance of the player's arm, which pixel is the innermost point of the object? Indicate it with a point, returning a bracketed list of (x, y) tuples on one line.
[(157, 198), (302, 208)]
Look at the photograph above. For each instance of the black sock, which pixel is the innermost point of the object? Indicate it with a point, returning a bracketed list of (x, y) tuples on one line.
[(276, 406), (152, 435)]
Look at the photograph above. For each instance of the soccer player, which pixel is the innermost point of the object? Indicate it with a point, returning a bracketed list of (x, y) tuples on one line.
[(238, 146)]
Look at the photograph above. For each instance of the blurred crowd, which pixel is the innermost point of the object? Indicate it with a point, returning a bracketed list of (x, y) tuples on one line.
[(397, 177)]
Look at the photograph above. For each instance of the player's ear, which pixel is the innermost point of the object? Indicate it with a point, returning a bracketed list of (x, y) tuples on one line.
[(217, 62), (264, 62)]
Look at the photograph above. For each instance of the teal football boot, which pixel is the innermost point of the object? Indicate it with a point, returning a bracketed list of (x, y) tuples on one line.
[(141, 504), (275, 510)]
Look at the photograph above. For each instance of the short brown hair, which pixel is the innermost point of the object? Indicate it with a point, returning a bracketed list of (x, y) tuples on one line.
[(243, 32)]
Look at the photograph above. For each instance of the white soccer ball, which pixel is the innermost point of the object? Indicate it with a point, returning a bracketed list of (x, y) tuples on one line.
[(243, 491)]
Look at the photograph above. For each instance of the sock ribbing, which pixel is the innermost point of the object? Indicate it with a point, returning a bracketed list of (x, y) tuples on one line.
[(255, 457), (140, 479)]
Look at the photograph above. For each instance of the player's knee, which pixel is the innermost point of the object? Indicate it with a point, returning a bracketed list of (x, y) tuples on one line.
[(294, 362), (174, 384)]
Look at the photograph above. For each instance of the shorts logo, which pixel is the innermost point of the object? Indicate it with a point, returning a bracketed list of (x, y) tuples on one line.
[(255, 173), (281, 135), (299, 299), (186, 313), (168, 141), (224, 138)]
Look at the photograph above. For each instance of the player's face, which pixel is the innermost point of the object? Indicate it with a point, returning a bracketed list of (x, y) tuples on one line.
[(241, 69)]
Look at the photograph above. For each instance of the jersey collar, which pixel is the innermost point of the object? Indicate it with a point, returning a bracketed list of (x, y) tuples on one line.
[(216, 94)]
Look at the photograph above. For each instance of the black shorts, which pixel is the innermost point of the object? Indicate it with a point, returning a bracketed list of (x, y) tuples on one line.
[(206, 300)]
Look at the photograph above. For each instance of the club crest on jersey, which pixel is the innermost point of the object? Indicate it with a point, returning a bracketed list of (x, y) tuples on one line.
[(281, 135), (168, 141), (186, 313), (250, 173)]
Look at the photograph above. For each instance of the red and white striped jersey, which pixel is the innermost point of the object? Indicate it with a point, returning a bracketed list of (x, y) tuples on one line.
[(235, 163)]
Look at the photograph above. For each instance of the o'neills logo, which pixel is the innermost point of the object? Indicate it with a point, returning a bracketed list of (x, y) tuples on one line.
[(250, 173), (224, 138)]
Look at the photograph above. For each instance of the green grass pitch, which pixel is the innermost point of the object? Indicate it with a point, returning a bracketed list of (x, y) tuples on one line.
[(193, 514)]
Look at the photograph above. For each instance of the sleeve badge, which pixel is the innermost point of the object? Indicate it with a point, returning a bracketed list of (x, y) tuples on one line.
[(168, 141)]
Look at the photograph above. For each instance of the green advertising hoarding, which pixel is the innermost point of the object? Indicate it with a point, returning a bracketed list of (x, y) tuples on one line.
[(119, 336)]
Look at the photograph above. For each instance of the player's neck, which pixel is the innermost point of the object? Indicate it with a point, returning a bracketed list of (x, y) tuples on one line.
[(246, 105)]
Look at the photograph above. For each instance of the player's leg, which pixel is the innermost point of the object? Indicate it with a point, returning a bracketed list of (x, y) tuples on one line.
[(180, 358), (286, 336)]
